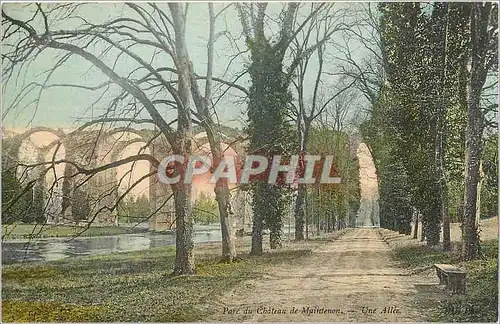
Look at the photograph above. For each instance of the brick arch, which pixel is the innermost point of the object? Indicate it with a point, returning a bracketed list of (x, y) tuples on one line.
[(143, 134), (163, 219), (232, 142), (58, 132), (16, 141), (120, 147), (111, 148)]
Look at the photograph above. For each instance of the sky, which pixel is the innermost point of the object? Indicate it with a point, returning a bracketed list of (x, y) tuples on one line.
[(69, 107)]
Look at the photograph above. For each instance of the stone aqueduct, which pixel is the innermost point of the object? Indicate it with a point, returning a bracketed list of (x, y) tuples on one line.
[(93, 148)]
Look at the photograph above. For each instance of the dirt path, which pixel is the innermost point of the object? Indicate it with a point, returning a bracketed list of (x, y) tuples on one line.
[(338, 282)]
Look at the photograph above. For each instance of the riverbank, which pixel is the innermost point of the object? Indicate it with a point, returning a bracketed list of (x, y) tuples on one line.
[(29, 231), (133, 286), (478, 304)]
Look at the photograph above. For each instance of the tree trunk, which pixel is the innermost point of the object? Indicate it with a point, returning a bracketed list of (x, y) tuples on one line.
[(446, 218), (441, 143), (422, 232), (256, 235), (275, 223), (335, 221), (313, 210), (306, 216), (257, 224), (318, 209), (184, 258), (223, 200), (470, 235), (479, 60), (300, 202), (222, 194), (479, 188), (300, 212), (328, 222), (415, 226), (214, 136)]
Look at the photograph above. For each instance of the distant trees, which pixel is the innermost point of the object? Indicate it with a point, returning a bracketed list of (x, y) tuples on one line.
[(133, 209), (205, 210), (318, 101), (333, 206), (395, 130), (396, 195)]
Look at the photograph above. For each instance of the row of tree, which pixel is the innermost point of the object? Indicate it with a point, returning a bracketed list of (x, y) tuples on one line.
[(433, 115)]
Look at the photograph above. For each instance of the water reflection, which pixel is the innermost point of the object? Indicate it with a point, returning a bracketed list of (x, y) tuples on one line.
[(57, 248), (50, 249)]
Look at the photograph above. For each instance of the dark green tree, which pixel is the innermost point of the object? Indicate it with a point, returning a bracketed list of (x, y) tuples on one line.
[(134, 209), (489, 189), (16, 205), (270, 128), (394, 188), (80, 205)]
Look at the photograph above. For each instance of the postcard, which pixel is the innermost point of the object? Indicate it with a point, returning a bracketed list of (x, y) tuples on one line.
[(249, 162)]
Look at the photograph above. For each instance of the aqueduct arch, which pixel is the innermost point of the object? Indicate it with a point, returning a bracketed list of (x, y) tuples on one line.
[(90, 148)]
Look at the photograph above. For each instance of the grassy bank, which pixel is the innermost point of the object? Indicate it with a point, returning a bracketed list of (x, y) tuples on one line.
[(28, 231), (126, 287), (479, 303)]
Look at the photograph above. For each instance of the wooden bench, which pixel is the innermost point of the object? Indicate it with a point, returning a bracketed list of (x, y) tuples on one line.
[(454, 278)]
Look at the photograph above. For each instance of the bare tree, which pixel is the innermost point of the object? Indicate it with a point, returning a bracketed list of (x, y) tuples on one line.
[(365, 35), (161, 82), (204, 113)]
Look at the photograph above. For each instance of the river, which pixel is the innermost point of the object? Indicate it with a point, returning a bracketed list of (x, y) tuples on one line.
[(49, 249)]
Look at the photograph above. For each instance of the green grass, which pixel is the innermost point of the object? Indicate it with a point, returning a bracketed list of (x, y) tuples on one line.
[(123, 287), (21, 311), (490, 249), (28, 231), (479, 303), (412, 256)]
